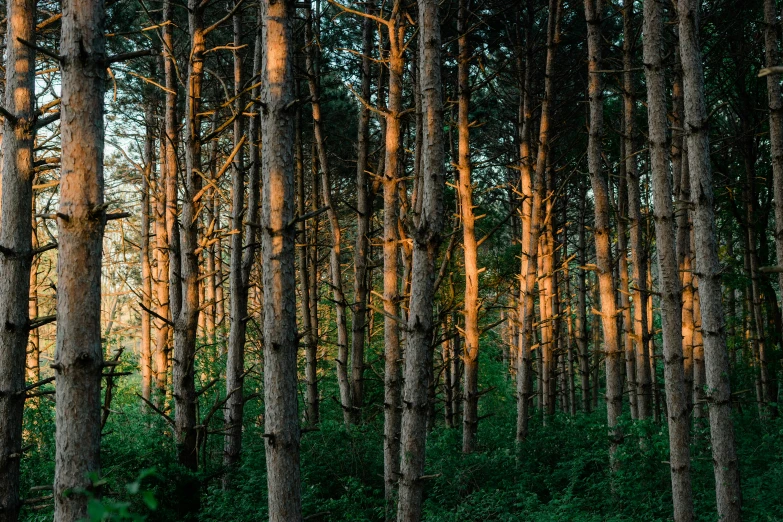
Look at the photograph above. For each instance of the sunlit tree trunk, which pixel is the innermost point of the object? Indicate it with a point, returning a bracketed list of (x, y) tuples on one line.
[(469, 248), (613, 353), (186, 320), (80, 225), (718, 389), (671, 290), (524, 368), (16, 242), (638, 253), (145, 360), (392, 405), (281, 423), (426, 236), (170, 253)]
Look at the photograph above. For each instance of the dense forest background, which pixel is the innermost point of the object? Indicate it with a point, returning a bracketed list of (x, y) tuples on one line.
[(540, 240)]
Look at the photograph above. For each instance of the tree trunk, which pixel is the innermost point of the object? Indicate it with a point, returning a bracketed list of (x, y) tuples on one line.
[(671, 291), (186, 320), (335, 260), (16, 239), (718, 392), (524, 368), (638, 254), (146, 272), (426, 232), (361, 284), (469, 248), (242, 252), (281, 423), (392, 405), (309, 329), (80, 226), (581, 303), (614, 386), (772, 58)]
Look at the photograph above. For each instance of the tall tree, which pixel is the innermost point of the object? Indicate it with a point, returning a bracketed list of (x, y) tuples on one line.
[(718, 389), (426, 234), (671, 290), (16, 242), (281, 423), (601, 230), (80, 225), (243, 245), (469, 246)]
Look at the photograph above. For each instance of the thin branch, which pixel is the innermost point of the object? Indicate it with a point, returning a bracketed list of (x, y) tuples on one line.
[(51, 54), (346, 9), (157, 410)]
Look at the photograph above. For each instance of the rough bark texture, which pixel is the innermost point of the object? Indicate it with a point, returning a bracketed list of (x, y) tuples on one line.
[(718, 390), (469, 248), (671, 290), (16, 239), (145, 360), (80, 225), (281, 423), (603, 254), (426, 235), (392, 378), (186, 320)]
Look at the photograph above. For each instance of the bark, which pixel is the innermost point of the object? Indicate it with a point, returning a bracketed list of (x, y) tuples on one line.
[(671, 290), (624, 290), (80, 226), (469, 248), (523, 363), (146, 270), (614, 391), (281, 423), (169, 259), (527, 338), (392, 405), (426, 235), (335, 257), (638, 253), (186, 317), (16, 236), (772, 58), (309, 328), (361, 283), (581, 304), (718, 390), (243, 250)]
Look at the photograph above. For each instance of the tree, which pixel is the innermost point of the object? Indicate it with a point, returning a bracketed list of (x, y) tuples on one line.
[(718, 389), (671, 291), (614, 388), (16, 253), (80, 223), (281, 424), (426, 235)]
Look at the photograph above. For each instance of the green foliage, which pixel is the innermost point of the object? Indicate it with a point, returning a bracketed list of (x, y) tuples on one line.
[(559, 473)]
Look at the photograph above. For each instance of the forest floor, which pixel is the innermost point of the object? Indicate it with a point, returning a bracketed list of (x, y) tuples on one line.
[(559, 473)]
